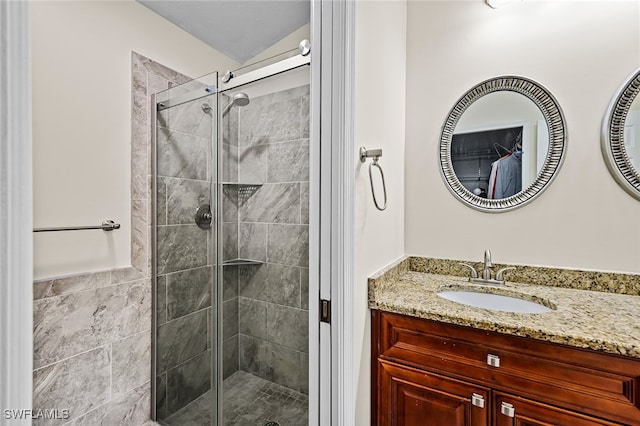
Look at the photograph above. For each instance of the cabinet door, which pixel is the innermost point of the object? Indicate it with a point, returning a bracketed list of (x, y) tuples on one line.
[(410, 397), (509, 410)]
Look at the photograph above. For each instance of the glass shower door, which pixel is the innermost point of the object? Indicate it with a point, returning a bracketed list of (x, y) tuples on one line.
[(185, 245), (265, 257), (231, 262)]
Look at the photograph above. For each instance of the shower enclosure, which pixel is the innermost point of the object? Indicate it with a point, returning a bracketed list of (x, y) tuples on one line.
[(231, 246)]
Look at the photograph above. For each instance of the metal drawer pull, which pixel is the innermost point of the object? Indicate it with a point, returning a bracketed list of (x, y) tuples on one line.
[(477, 400), (507, 409), (493, 360)]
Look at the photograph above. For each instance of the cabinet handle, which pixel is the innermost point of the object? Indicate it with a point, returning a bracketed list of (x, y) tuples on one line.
[(493, 360), (507, 409), (477, 400)]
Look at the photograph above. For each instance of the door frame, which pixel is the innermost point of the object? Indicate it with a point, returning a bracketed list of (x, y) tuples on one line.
[(16, 216), (332, 126)]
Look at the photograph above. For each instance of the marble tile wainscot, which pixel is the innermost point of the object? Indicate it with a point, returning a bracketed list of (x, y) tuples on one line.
[(92, 331)]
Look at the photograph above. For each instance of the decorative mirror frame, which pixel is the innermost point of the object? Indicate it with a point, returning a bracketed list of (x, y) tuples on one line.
[(612, 141), (552, 114)]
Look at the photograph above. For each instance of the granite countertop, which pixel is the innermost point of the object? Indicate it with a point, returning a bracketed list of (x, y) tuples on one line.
[(606, 322)]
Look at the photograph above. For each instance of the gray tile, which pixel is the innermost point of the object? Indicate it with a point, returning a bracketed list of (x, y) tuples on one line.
[(252, 164), (230, 203), (272, 203), (161, 299), (252, 241), (305, 116), (140, 186), (127, 274), (252, 317), (191, 118), (161, 201), (182, 155), (74, 323), (197, 413), (161, 395), (229, 163), (230, 318), (156, 83), (188, 381), (288, 327), (181, 247), (250, 400), (230, 123), (184, 196), (274, 363), (140, 233), (188, 291), (304, 202), (304, 288), (269, 123), (230, 240), (288, 161), (131, 358), (78, 384), (230, 282), (70, 284), (181, 339), (271, 283), (230, 354), (160, 70), (288, 244), (132, 408)]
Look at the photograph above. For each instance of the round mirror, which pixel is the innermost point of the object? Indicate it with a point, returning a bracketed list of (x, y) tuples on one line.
[(621, 135), (502, 144)]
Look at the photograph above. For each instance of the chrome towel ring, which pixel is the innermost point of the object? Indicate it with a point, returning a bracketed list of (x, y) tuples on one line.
[(375, 154)]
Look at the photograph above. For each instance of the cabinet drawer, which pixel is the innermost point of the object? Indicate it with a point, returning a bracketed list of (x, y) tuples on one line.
[(576, 379), (509, 410)]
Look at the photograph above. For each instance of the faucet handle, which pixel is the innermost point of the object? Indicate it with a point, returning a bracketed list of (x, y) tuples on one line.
[(501, 272), (474, 273)]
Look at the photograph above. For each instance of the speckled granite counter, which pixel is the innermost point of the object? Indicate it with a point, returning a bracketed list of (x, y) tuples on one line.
[(603, 321)]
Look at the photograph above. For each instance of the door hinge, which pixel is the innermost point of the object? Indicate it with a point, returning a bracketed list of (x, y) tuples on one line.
[(325, 311)]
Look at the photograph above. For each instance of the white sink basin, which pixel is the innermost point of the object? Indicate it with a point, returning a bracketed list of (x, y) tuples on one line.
[(494, 302)]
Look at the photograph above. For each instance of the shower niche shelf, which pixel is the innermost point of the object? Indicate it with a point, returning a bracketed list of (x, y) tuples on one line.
[(242, 184), (240, 261)]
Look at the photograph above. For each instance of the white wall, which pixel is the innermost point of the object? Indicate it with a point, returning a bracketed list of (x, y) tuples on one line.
[(81, 62), (379, 123), (286, 43), (581, 52)]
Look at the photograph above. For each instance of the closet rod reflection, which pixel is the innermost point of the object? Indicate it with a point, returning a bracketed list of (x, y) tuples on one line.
[(107, 225)]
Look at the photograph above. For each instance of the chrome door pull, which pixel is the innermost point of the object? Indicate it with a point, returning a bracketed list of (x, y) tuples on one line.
[(477, 400), (507, 409), (493, 360)]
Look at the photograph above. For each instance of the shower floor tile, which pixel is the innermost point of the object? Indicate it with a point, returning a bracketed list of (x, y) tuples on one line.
[(248, 401)]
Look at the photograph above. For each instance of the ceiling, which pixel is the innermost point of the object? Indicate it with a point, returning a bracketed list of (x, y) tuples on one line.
[(238, 28)]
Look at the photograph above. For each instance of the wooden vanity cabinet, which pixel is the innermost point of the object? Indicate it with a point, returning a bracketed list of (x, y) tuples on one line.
[(432, 373)]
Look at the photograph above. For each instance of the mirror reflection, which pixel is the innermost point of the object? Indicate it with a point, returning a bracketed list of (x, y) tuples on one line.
[(499, 145), (632, 134)]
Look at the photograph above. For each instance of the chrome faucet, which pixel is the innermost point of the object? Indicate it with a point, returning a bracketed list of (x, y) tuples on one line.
[(486, 272)]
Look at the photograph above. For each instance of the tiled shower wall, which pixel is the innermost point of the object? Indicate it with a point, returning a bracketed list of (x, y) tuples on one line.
[(92, 332), (272, 143)]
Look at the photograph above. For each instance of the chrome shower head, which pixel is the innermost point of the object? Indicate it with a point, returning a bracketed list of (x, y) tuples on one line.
[(239, 99)]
